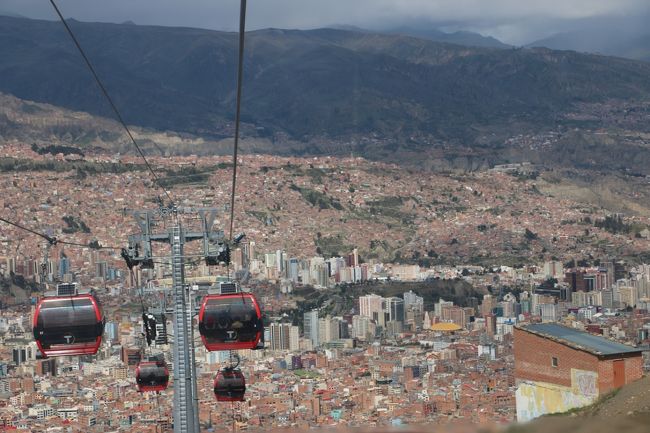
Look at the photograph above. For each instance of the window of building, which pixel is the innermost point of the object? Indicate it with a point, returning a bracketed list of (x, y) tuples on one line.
[(554, 361)]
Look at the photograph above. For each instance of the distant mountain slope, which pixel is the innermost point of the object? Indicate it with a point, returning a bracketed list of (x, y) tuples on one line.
[(466, 38), (306, 84), (636, 47), (7, 13)]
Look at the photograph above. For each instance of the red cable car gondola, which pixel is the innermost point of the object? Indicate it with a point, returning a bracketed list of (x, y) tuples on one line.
[(230, 322), (230, 385), (68, 325), (151, 376)]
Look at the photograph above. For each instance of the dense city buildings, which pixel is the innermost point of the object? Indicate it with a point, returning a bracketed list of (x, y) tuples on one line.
[(354, 335), (443, 360)]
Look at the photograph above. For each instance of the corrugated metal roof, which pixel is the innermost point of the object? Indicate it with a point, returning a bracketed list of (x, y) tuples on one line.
[(579, 339)]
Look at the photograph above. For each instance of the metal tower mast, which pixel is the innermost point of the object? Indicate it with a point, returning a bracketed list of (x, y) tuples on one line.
[(186, 411), (184, 369)]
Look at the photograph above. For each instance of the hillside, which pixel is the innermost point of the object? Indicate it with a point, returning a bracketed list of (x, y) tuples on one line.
[(44, 125), (314, 91), (465, 38), (331, 205), (622, 44)]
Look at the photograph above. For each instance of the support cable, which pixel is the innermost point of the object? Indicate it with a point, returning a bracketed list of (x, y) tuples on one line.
[(53, 240), (240, 74), (110, 100)]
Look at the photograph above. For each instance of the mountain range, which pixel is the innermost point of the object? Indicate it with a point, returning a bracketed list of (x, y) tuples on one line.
[(396, 92), (634, 46), (460, 37)]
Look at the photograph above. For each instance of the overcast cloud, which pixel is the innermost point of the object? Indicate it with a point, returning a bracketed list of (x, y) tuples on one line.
[(513, 21)]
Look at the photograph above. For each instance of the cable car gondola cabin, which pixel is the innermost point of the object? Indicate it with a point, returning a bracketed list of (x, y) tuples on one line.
[(151, 376), (230, 385), (230, 322), (68, 325)]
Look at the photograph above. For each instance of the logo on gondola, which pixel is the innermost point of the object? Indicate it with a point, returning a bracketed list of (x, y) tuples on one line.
[(69, 338), (232, 335)]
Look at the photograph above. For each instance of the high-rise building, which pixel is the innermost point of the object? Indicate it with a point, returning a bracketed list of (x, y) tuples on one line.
[(335, 265), (344, 329), (279, 336), (64, 266), (488, 305), (553, 269), (438, 306), (45, 367), (21, 355), (100, 269), (311, 327), (395, 309), (548, 312), (459, 316), (294, 338), (284, 336), (323, 276), (249, 251), (112, 331), (328, 329), (279, 261), (628, 296), (269, 260), (360, 327), (609, 269), (353, 259), (131, 356), (292, 272), (491, 324), (413, 302), (371, 306)]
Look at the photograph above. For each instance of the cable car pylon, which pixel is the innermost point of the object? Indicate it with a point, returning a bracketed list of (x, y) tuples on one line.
[(139, 252)]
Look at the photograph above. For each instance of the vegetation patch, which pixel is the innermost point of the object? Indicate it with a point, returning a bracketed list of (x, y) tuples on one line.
[(56, 149), (616, 225), (317, 198), (264, 217), (385, 209), (332, 246), (90, 168), (306, 374), (74, 225), (191, 175), (389, 201)]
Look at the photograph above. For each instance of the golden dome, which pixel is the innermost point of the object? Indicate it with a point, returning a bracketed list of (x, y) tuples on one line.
[(445, 326)]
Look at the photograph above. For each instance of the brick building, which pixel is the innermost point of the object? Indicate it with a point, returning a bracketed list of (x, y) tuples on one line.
[(131, 356), (559, 368)]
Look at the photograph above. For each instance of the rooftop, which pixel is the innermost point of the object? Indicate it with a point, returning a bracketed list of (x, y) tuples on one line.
[(445, 326), (579, 339)]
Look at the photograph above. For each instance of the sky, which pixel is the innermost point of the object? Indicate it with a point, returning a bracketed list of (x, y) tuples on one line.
[(516, 22)]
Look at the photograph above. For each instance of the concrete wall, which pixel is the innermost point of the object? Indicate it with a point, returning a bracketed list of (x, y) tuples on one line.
[(534, 399)]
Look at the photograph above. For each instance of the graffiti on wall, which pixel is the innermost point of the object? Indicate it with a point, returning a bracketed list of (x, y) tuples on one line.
[(534, 399), (584, 383)]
